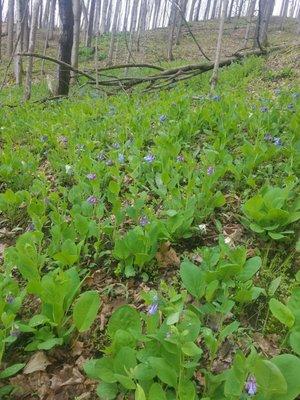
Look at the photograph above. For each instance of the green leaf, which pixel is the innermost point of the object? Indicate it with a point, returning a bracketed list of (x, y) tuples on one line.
[(250, 269), (125, 318), (85, 310), (186, 390), (100, 369), (139, 393), (193, 279), (125, 360), (274, 286), (289, 366), (10, 371), (143, 372), (191, 349), (282, 313), (125, 381), (50, 343), (295, 341), (276, 236), (228, 330), (156, 392), (164, 371), (107, 391), (269, 378)]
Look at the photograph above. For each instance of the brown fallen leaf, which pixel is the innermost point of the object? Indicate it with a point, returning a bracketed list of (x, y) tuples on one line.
[(38, 362), (166, 256)]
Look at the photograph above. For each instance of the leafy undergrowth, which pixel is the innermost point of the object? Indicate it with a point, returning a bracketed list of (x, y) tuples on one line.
[(148, 243)]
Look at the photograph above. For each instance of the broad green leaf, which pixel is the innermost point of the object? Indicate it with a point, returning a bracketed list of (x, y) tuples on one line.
[(289, 366), (126, 318), (10, 371), (107, 391), (193, 279), (139, 393), (156, 392), (191, 349), (125, 360), (251, 267), (269, 378), (164, 371), (282, 313), (274, 286), (85, 310), (100, 369), (295, 341)]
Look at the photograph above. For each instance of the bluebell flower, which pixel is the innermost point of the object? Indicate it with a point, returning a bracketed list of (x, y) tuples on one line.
[(277, 91), (15, 332), (180, 158), (264, 109), (92, 200), (216, 97), (112, 110), (251, 386), (10, 299), (143, 221), (268, 137), (121, 158), (277, 141), (101, 156), (149, 158), (210, 170), (296, 96), (30, 227), (162, 118), (63, 140), (152, 309), (91, 177), (109, 162), (116, 145), (290, 106), (44, 138)]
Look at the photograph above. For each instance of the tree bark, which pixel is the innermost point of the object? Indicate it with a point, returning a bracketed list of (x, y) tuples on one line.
[(103, 16), (0, 30), (97, 17), (31, 47), (172, 23), (197, 13), (65, 45), (207, 10), (214, 78), (90, 32), (142, 22), (284, 11), (18, 58), (10, 27), (265, 12), (76, 35), (113, 33), (52, 19), (250, 14)]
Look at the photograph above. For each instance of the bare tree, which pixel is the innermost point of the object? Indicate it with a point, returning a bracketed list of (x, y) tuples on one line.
[(172, 26), (19, 48), (197, 11), (214, 78), (142, 22), (250, 14), (207, 10), (90, 32), (1, 7), (76, 35), (192, 11), (31, 47), (52, 19), (103, 16), (65, 45), (283, 12), (97, 17), (10, 27), (113, 33), (265, 11)]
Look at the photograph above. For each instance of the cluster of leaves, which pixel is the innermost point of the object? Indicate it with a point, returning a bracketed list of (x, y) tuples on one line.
[(158, 354), (104, 182)]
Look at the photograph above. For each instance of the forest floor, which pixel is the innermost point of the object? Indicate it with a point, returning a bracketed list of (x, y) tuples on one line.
[(169, 173)]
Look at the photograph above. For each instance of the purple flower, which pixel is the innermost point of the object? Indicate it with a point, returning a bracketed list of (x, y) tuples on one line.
[(101, 156), (264, 109), (149, 158), (180, 158), (116, 145), (251, 387), (162, 118), (152, 309), (109, 163), (216, 97), (44, 138), (10, 299), (143, 221), (210, 170), (112, 110), (92, 200), (91, 177), (15, 332), (277, 92), (290, 106), (277, 141), (30, 227), (296, 96), (63, 140), (121, 158), (268, 137)]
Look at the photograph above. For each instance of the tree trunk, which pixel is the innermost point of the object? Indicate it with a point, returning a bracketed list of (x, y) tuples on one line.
[(125, 21), (108, 21), (97, 17), (207, 10), (284, 11), (103, 16), (229, 14), (192, 11), (46, 14), (142, 22), (65, 45), (0, 30), (214, 78), (41, 16), (214, 10), (265, 12), (113, 33), (10, 27), (31, 47), (173, 15), (76, 35), (250, 14), (197, 13), (19, 47), (52, 19), (90, 32)]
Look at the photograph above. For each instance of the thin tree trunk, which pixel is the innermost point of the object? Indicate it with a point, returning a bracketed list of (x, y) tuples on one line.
[(249, 16), (103, 16), (197, 13), (1, 29), (52, 19), (18, 58), (10, 27), (108, 21), (41, 16), (283, 15), (113, 33), (172, 27), (127, 8), (76, 35), (65, 45), (214, 78), (46, 14), (229, 14), (31, 47), (97, 17), (207, 10), (90, 32), (142, 22), (192, 11), (214, 9)]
